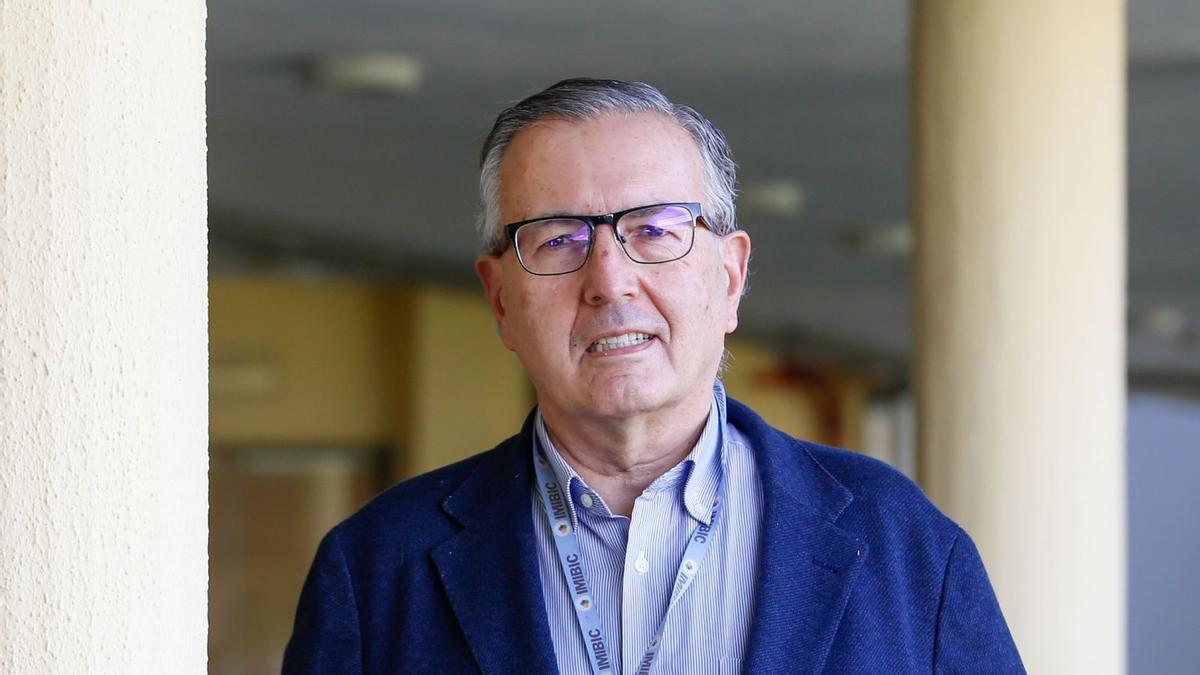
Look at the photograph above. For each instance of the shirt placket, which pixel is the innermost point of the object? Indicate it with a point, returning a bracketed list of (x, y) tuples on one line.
[(650, 569)]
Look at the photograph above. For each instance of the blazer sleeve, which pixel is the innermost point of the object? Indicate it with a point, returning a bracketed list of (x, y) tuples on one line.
[(326, 636), (972, 636)]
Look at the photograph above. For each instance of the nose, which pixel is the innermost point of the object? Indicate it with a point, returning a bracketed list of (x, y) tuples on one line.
[(609, 274)]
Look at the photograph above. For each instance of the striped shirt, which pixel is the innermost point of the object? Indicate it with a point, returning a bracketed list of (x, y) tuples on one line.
[(631, 562)]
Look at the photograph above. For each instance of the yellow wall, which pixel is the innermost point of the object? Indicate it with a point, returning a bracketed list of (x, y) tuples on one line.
[(469, 392), (751, 380), (823, 405), (341, 363), (295, 362)]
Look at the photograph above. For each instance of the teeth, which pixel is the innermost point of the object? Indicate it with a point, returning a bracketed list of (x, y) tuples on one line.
[(618, 341)]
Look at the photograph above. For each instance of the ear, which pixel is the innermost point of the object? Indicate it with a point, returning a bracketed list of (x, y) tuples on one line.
[(735, 263), (490, 270)]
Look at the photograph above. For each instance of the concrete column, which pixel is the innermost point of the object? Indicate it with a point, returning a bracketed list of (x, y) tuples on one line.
[(103, 352), (1019, 207)]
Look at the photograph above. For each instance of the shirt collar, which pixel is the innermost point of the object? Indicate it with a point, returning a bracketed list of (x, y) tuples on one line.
[(699, 472), (562, 470)]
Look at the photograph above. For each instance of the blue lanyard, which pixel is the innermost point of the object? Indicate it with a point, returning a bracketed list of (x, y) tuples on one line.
[(554, 501)]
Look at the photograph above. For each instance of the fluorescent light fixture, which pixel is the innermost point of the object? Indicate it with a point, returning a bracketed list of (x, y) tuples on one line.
[(893, 239), (373, 72), (782, 199), (1164, 322)]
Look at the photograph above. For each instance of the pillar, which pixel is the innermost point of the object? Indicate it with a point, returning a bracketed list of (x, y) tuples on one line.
[(1019, 209), (103, 356)]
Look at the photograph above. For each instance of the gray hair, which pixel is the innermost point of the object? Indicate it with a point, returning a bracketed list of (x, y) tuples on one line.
[(585, 98)]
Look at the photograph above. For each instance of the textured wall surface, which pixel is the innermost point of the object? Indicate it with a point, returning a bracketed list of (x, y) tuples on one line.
[(103, 351)]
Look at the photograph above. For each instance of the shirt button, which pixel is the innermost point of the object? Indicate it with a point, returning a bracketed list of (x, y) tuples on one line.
[(642, 565), (586, 500)]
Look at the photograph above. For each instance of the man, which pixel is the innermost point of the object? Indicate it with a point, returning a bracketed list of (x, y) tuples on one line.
[(640, 521)]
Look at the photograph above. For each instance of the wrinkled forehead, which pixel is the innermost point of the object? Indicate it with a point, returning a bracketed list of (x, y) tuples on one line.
[(598, 165)]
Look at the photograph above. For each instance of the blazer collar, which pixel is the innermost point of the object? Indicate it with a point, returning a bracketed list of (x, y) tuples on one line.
[(490, 568), (807, 565)]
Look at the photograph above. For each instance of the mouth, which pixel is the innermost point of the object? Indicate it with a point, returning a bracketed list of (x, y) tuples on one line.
[(625, 342)]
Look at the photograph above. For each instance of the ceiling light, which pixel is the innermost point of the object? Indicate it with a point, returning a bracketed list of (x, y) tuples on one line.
[(892, 239), (1164, 322), (783, 199), (374, 73)]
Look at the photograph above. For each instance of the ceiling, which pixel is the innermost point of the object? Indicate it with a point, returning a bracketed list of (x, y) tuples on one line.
[(813, 93)]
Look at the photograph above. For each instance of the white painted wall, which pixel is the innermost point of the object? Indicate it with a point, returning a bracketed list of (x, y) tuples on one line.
[(103, 346)]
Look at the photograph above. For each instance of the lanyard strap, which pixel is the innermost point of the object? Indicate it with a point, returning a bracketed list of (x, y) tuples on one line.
[(587, 614)]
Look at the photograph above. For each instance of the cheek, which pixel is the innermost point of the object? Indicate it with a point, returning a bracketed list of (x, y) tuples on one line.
[(540, 318), (709, 284), (692, 304)]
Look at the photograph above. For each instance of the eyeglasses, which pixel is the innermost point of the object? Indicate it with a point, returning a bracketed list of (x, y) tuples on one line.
[(650, 235)]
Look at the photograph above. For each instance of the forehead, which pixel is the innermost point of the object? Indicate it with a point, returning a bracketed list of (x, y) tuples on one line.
[(598, 165)]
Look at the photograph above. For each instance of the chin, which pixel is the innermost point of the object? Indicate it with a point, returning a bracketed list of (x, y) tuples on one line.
[(629, 395)]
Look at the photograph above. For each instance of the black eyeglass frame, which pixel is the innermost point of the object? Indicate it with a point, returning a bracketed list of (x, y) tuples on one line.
[(510, 234)]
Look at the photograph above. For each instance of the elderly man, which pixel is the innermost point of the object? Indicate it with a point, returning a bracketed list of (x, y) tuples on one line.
[(640, 521)]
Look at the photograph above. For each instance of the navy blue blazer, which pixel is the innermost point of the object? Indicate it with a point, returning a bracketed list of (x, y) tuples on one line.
[(860, 573)]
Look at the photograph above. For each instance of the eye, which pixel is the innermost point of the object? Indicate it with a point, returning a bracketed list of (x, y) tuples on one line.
[(650, 231), (563, 241)]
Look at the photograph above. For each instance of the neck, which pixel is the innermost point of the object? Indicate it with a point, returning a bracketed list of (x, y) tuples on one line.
[(620, 458)]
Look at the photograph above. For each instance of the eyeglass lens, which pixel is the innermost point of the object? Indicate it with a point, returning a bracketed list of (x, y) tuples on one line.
[(650, 235)]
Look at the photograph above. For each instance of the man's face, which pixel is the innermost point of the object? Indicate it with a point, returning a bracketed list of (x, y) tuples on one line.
[(553, 323)]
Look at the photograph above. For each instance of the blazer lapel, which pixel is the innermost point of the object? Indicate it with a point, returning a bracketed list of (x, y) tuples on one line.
[(490, 569), (807, 565)]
